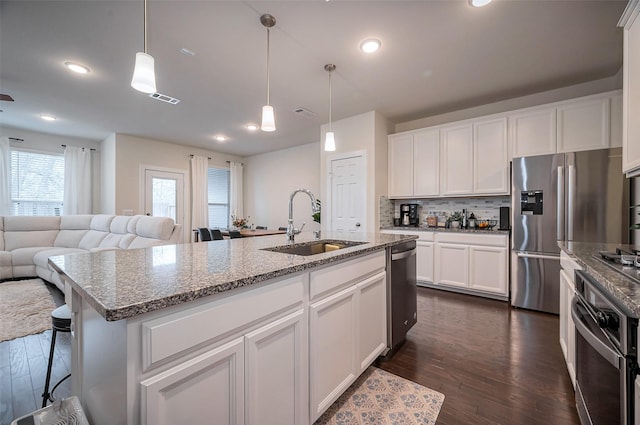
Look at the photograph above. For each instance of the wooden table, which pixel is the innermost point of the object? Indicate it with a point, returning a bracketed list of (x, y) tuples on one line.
[(248, 233)]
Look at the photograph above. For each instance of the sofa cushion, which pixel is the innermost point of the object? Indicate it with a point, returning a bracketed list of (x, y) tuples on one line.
[(101, 222), (69, 238), (116, 241), (24, 256), (41, 259), (1, 233), (119, 224), (92, 239), (5, 259), (25, 239), (155, 227), (76, 222), (30, 223), (133, 222)]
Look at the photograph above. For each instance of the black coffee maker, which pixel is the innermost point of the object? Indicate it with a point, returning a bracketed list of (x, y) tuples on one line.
[(409, 215)]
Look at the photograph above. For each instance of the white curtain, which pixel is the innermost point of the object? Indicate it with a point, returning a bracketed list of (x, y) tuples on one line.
[(199, 193), (5, 177), (235, 183), (77, 181)]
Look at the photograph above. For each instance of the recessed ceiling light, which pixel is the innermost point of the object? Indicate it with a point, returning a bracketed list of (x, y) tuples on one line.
[(220, 138), (252, 127), (77, 68), (370, 45), (479, 3), (48, 117)]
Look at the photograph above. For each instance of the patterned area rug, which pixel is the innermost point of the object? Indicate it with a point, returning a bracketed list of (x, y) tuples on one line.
[(25, 308), (382, 398)]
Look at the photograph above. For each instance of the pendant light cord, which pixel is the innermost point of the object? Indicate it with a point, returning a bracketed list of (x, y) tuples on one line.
[(330, 72), (268, 54), (145, 26)]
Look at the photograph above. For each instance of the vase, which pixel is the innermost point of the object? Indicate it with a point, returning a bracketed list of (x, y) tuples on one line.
[(455, 224)]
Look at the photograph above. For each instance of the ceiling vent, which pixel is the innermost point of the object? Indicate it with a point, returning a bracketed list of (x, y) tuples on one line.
[(164, 98), (300, 111)]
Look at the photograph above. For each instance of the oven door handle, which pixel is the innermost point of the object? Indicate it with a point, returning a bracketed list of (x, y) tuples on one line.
[(605, 351)]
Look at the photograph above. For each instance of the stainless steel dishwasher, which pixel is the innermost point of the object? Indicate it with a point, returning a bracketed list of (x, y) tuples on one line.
[(401, 292)]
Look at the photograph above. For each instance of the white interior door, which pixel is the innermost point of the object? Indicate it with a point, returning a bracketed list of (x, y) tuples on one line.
[(164, 194), (348, 194)]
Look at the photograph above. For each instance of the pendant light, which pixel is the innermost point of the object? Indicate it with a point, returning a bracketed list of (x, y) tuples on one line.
[(329, 138), (144, 76), (268, 118)]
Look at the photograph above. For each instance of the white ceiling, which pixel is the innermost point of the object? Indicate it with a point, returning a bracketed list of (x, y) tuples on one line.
[(437, 56)]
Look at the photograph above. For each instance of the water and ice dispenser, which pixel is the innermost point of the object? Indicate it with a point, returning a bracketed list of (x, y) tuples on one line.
[(531, 202)]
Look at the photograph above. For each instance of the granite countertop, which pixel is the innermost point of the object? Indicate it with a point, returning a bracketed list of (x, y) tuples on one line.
[(444, 229), (620, 287), (121, 284)]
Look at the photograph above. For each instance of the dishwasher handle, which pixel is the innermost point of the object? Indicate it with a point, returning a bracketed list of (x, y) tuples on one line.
[(404, 254)]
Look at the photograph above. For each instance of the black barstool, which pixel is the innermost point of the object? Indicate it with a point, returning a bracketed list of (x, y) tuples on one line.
[(61, 322)]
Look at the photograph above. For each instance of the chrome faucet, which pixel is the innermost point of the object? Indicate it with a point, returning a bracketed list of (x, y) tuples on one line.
[(292, 231)]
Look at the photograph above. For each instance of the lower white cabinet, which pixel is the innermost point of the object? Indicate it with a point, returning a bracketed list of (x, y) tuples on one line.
[(214, 379), (424, 261), (347, 332), (476, 263), (567, 327)]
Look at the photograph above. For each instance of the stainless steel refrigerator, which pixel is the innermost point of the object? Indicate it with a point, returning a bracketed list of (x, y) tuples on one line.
[(580, 196)]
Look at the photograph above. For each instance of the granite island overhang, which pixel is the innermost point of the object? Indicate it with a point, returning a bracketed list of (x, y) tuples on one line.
[(155, 327)]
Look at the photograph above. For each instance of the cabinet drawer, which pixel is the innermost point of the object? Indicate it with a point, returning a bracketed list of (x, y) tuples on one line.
[(167, 336), (326, 281), (473, 239)]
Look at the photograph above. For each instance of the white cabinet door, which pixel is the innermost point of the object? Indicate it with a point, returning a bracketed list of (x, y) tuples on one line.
[(333, 348), (631, 92), (488, 269), (567, 327), (452, 264), (564, 314), (583, 125), (615, 138), (276, 372), (490, 157), (206, 389), (456, 156), (426, 161), (401, 165), (372, 319), (533, 132), (424, 261)]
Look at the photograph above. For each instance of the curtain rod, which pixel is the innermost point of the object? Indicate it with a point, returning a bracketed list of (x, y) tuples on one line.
[(241, 163), (92, 149), (16, 139), (192, 155)]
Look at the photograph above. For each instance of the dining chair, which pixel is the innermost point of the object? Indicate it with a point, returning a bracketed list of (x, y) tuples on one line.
[(216, 234), (233, 234), (205, 234), (261, 227)]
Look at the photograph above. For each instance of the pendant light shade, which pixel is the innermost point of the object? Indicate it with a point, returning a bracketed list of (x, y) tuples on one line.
[(268, 117), (329, 137), (144, 75)]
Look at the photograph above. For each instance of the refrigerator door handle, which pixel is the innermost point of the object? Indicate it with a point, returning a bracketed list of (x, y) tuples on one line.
[(539, 256), (560, 205), (570, 201)]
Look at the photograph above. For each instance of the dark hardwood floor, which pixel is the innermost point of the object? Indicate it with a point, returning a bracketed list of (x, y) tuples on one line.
[(493, 363), (23, 368)]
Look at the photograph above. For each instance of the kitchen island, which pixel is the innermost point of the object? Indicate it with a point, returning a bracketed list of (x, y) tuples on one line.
[(224, 331)]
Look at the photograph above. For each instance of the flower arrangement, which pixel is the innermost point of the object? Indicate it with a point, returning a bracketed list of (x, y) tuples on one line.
[(316, 216), (239, 222)]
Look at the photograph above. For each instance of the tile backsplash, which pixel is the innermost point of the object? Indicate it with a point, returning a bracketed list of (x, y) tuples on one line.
[(484, 208)]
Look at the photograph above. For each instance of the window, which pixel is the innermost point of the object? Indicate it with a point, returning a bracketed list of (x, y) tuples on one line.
[(218, 187), (37, 183)]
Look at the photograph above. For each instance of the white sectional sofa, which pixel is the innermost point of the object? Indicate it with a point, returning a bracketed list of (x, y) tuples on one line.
[(26, 243)]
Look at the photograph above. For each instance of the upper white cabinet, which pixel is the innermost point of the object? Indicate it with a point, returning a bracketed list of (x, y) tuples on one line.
[(583, 125), (490, 157), (457, 159), (631, 90), (414, 164), (533, 132), (587, 123), (401, 165)]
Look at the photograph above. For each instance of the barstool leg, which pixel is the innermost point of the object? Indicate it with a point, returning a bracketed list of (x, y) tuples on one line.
[(45, 394)]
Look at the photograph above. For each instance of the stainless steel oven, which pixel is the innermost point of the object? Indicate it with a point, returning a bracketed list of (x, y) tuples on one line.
[(606, 355)]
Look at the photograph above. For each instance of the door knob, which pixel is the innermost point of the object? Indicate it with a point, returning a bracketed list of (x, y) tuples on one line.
[(357, 224)]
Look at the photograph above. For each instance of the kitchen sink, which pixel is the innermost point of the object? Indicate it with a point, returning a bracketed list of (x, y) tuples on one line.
[(313, 248)]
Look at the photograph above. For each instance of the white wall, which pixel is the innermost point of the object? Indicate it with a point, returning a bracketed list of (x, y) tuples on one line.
[(270, 178), (108, 174), (132, 154), (51, 143), (365, 132)]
